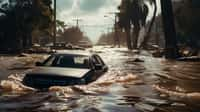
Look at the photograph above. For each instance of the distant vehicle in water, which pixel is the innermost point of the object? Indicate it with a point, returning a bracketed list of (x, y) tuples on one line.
[(60, 46), (65, 46), (37, 48), (85, 44), (65, 69)]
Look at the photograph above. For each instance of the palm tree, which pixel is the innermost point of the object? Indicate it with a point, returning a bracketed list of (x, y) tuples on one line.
[(129, 16), (132, 13), (147, 36), (135, 15), (124, 20), (171, 48)]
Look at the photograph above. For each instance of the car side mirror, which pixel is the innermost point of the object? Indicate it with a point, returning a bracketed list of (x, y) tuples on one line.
[(98, 67), (106, 69), (38, 64)]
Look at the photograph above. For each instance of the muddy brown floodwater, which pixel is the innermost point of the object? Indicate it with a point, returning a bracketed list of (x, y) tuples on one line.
[(155, 85)]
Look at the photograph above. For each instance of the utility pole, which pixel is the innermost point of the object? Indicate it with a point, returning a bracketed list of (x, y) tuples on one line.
[(54, 32), (77, 22), (116, 35)]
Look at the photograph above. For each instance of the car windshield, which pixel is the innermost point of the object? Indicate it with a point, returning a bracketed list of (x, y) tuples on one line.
[(71, 61)]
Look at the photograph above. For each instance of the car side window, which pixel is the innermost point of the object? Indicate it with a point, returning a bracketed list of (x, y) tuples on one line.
[(96, 60), (100, 60), (50, 61)]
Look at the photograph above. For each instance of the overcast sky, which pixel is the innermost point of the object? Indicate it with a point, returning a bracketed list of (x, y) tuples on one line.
[(91, 12)]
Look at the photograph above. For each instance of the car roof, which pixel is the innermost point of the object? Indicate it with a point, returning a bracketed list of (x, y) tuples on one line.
[(73, 54)]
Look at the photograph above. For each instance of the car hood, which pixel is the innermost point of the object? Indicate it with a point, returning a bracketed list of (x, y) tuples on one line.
[(57, 71)]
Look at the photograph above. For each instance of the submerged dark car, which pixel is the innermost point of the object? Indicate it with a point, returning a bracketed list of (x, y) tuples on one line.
[(65, 69)]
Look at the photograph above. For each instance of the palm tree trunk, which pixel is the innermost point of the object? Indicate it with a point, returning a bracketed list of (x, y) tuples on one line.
[(128, 38), (148, 35), (54, 32), (171, 48), (135, 35)]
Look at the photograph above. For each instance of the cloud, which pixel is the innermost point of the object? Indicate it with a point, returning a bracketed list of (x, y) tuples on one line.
[(64, 4), (92, 13), (92, 5)]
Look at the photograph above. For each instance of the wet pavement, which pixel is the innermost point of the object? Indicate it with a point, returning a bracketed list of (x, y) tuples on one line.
[(134, 83)]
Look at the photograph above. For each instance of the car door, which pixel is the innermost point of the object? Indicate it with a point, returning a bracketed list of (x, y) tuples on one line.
[(96, 72)]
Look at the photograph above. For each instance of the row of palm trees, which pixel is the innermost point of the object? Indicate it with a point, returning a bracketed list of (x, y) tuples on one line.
[(133, 14)]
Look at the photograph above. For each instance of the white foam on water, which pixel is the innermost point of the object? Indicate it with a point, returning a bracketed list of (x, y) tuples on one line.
[(13, 83)]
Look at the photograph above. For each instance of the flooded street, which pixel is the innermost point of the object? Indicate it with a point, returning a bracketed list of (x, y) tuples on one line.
[(135, 82)]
